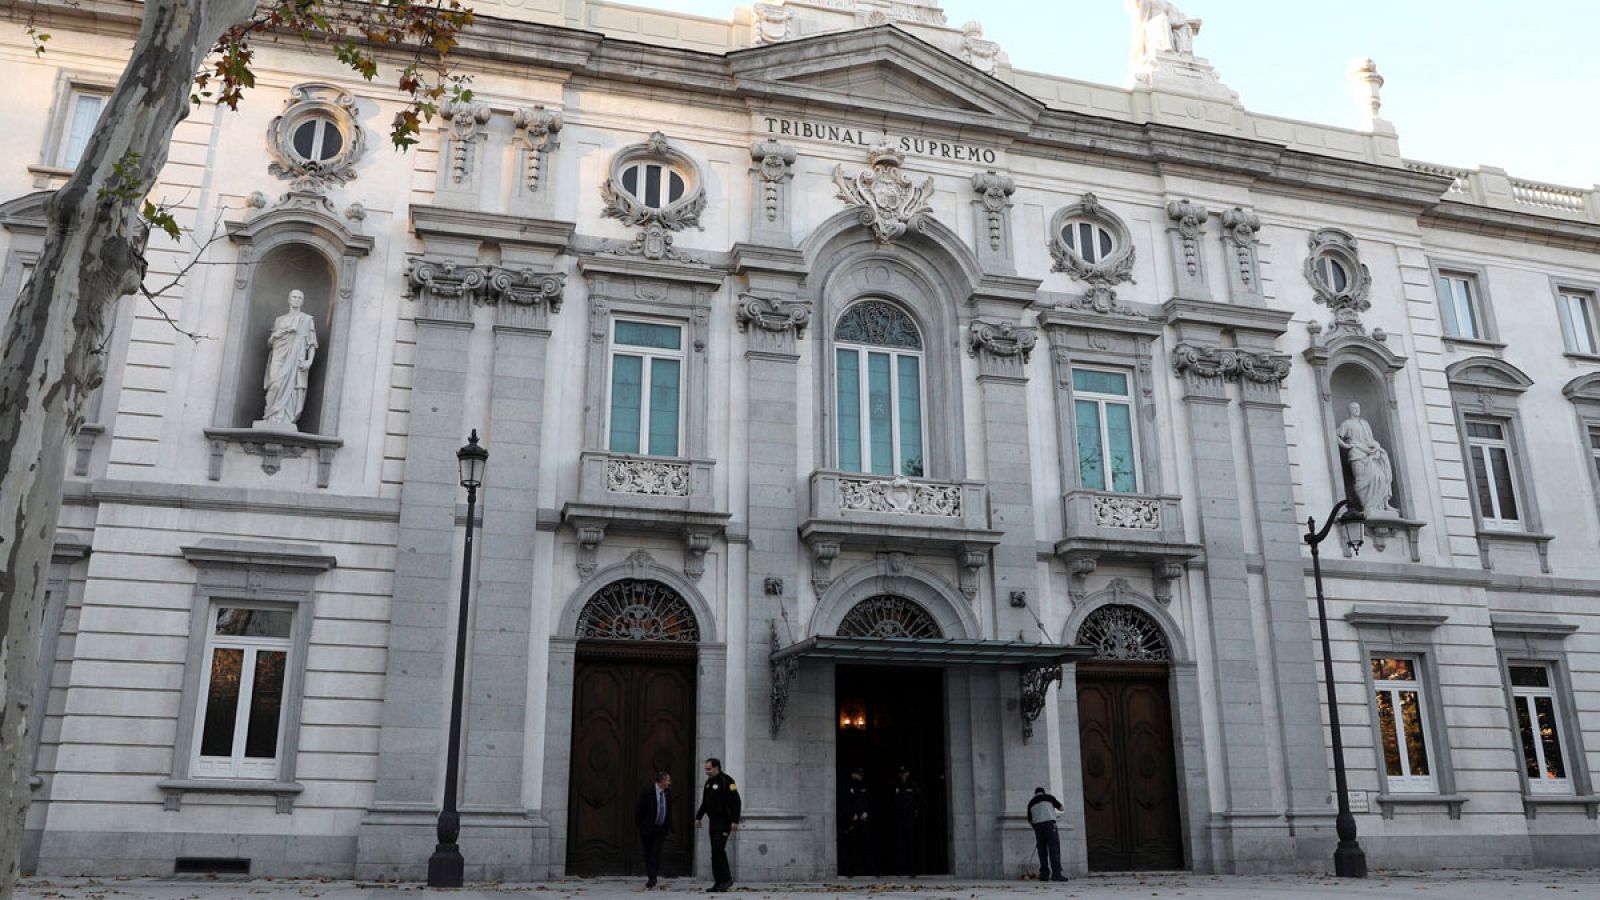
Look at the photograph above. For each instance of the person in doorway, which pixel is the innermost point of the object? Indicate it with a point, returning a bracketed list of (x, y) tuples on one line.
[(653, 814), (719, 802), (854, 804), (907, 797), (1042, 810)]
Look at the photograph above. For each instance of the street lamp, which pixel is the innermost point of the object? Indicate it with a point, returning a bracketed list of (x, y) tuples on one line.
[(1349, 860), (446, 868)]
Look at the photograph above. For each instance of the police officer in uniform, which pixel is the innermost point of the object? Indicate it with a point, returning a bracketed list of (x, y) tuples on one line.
[(854, 804), (907, 798), (719, 802)]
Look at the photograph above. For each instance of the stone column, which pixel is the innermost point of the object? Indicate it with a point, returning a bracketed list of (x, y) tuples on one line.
[(1002, 350), (773, 758), (496, 697), (1236, 659), (397, 836), (1305, 754)]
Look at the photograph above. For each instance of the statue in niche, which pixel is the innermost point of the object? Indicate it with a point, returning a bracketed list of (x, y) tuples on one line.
[(1369, 463), (292, 348), (1160, 27)]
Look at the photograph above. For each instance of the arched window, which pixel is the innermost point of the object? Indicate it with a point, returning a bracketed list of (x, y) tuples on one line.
[(1125, 634), (638, 609), (878, 372), (888, 616)]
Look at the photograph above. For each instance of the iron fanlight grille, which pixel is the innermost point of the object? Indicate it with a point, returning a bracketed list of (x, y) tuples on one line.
[(1124, 633), (888, 616), (635, 609)]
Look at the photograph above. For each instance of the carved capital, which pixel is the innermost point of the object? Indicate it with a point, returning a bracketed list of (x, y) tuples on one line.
[(1229, 363), (527, 287), (773, 315), (445, 289), (1001, 348)]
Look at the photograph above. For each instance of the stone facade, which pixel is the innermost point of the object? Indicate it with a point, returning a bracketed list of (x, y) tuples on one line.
[(1247, 277)]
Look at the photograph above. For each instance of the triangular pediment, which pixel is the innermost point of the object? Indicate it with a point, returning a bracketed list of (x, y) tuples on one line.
[(882, 70)]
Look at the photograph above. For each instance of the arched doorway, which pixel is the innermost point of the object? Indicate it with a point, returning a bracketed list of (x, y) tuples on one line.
[(1130, 779), (889, 717), (633, 714)]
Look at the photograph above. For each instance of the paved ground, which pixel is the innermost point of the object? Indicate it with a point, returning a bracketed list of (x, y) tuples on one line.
[(1431, 885)]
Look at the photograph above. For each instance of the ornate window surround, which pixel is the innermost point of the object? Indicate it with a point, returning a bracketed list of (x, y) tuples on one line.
[(654, 240), (306, 220), (263, 575), (307, 102), (1540, 639), (1486, 387), (1104, 274), (888, 276), (1384, 630)]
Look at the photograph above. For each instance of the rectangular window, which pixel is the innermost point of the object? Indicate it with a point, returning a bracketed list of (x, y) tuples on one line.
[(1594, 447), (880, 411), (1403, 726), (1577, 320), (1103, 417), (1458, 300), (83, 111), (1538, 730), (646, 388), (1494, 484), (241, 704)]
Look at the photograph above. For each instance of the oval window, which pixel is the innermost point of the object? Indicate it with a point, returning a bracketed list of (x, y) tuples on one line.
[(1333, 273), (1090, 240), (653, 184), (317, 140)]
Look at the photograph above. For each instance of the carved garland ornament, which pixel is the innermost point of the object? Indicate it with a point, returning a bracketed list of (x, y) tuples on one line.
[(1135, 513), (647, 477), (776, 163), (994, 192), (900, 496), (1239, 230), (537, 128), (888, 200), (464, 120), (1104, 274), (1230, 363), (638, 609), (1190, 220)]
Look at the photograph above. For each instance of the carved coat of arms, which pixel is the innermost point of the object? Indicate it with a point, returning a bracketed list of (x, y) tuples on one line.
[(886, 196)]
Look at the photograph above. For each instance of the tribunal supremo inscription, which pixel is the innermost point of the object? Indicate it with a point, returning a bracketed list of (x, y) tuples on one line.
[(845, 134)]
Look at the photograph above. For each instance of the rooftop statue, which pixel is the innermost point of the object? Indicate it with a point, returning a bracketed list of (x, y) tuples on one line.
[(1160, 27)]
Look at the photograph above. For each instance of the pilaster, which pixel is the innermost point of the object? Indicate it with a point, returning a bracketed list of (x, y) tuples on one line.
[(773, 172), (992, 211), (1239, 230), (1185, 231)]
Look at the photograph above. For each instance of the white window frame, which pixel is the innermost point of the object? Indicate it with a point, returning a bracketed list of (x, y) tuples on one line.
[(1584, 341), (1525, 697), (667, 171), (324, 125), (649, 354), (76, 93), (1458, 292), (1069, 238), (1405, 783), (236, 765), (1325, 264), (862, 390), (1491, 517), (1100, 400)]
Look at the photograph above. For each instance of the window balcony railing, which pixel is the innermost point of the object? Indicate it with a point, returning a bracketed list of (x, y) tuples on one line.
[(625, 493), (897, 515), (1143, 528)]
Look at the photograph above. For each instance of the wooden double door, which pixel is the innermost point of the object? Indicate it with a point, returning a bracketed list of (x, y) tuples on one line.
[(633, 714), (1130, 779)]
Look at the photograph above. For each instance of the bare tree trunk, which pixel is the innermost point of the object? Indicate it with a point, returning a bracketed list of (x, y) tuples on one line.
[(92, 256)]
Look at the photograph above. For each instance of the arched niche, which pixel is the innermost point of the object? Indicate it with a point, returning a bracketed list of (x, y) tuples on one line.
[(298, 244), (285, 268), (1357, 368), (929, 273), (950, 611)]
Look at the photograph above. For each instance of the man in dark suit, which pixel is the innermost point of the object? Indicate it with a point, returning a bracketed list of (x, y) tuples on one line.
[(719, 803), (907, 798), (653, 812)]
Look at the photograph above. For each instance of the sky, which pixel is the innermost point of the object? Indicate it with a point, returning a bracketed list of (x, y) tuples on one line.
[(1468, 82)]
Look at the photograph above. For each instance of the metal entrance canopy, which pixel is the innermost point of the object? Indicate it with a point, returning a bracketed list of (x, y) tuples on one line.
[(1038, 664)]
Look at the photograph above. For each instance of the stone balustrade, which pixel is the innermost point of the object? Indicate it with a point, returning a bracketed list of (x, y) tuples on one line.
[(1493, 187)]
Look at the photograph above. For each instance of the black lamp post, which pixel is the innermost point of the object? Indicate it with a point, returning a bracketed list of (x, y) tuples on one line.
[(446, 868), (1349, 860)]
